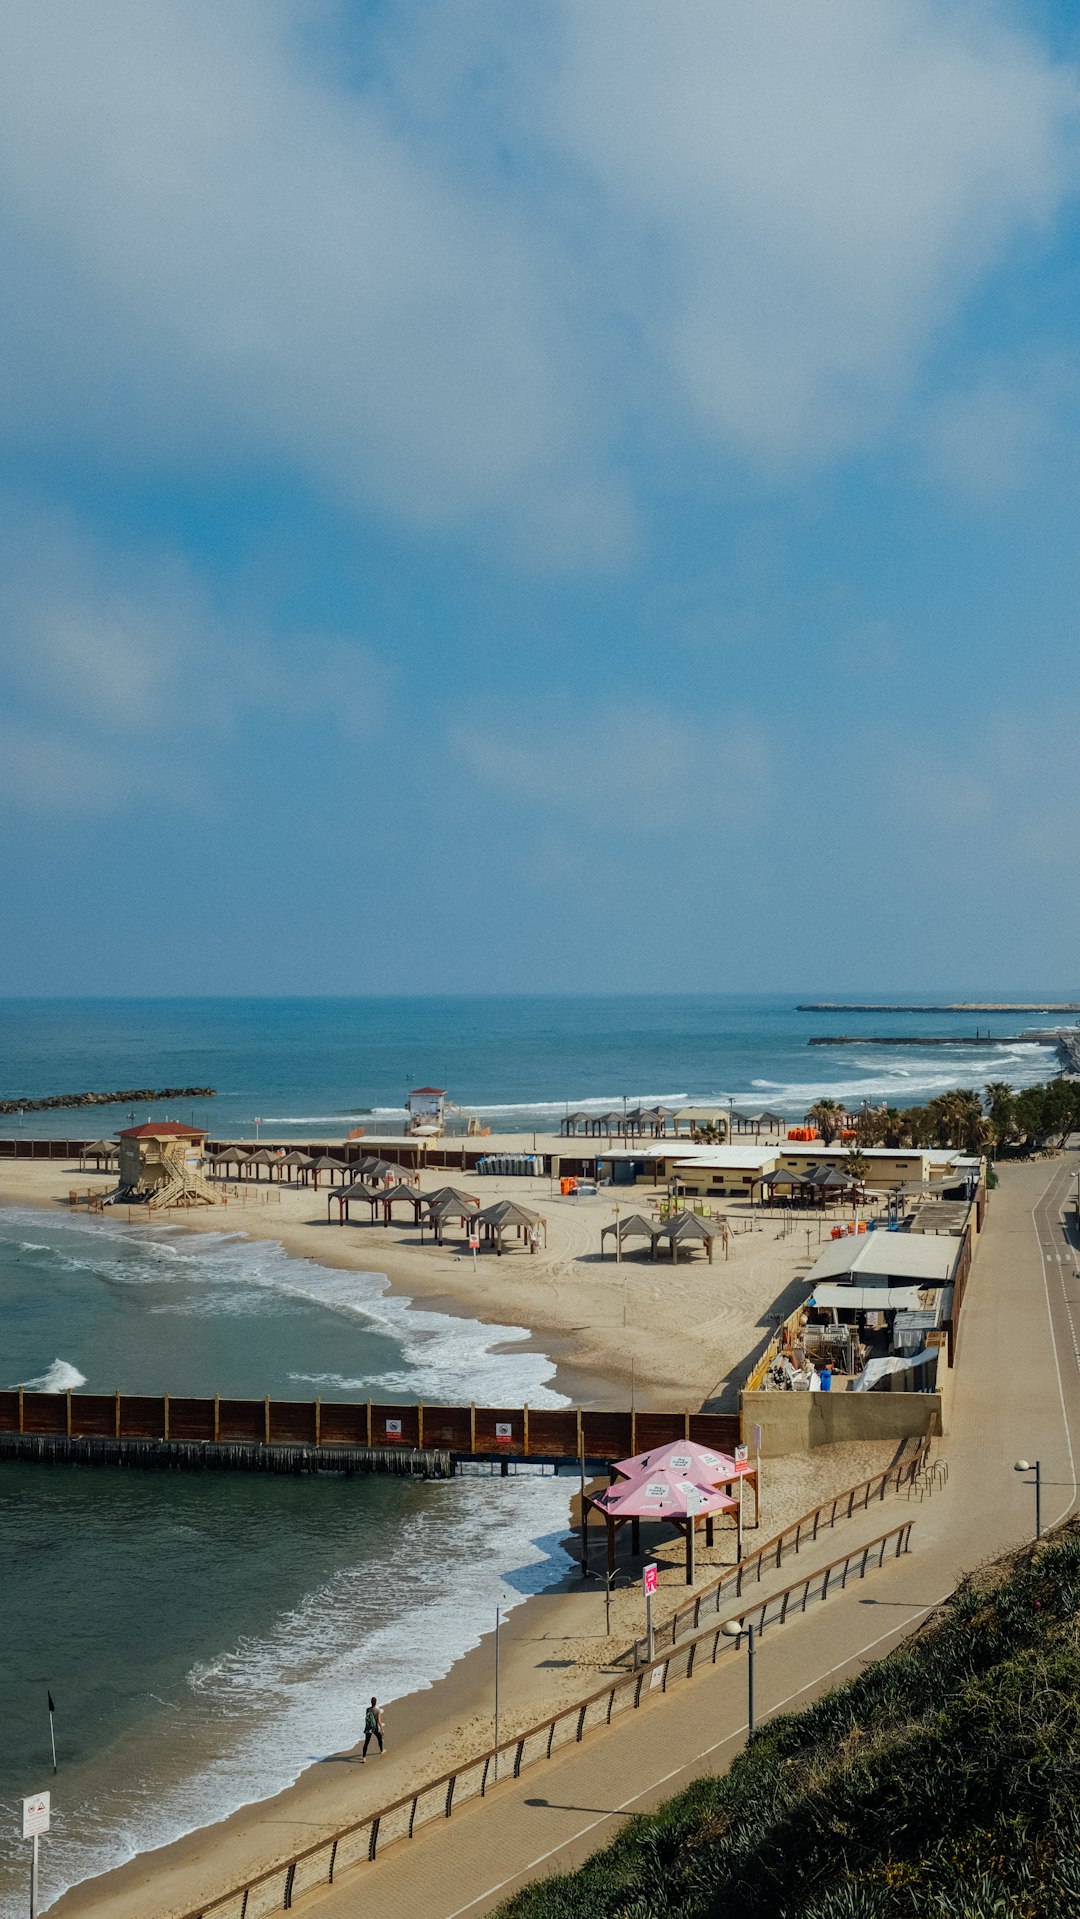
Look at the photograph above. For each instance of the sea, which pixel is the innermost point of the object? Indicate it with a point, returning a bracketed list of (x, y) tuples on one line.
[(207, 1638)]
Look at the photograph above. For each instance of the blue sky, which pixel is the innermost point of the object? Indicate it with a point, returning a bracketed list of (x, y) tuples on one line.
[(513, 499)]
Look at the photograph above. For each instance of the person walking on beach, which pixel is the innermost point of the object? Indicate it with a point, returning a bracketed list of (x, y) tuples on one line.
[(373, 1727)]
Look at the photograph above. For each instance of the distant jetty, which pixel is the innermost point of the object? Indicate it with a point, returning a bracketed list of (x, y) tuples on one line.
[(953, 1006), (130, 1098), (908, 1039)]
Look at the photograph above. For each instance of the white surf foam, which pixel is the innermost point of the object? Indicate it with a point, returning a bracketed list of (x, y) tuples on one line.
[(442, 1357), (60, 1377), (268, 1707), (914, 1078)]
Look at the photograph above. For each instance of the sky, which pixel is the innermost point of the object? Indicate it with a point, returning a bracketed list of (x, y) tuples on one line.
[(564, 499)]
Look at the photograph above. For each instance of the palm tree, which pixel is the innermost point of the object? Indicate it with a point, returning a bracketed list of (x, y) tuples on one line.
[(1001, 1103), (828, 1116), (871, 1126)]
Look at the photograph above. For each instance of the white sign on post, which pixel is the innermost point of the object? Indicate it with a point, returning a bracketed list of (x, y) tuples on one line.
[(650, 1580), (757, 1439), (742, 1460), (35, 1815), (474, 1241)]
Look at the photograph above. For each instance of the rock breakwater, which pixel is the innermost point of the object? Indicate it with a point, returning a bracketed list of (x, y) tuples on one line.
[(130, 1097)]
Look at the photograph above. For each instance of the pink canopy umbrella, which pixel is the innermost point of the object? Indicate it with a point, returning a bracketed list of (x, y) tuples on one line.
[(662, 1495), (676, 1497), (683, 1457)]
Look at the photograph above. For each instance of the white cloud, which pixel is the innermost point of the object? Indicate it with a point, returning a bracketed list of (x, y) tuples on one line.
[(267, 259), (471, 274), (823, 186), (116, 665)]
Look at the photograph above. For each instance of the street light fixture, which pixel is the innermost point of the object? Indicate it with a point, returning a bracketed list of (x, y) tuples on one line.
[(1025, 1466), (734, 1629)]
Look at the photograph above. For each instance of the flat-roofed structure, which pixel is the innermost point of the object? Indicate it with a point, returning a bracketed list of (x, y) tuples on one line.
[(734, 1171), (902, 1259), (696, 1169)]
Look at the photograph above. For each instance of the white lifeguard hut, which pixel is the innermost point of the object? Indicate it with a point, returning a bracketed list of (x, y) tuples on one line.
[(426, 1107)]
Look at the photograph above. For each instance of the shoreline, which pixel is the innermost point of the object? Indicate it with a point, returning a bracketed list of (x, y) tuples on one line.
[(553, 1645), (605, 1347)]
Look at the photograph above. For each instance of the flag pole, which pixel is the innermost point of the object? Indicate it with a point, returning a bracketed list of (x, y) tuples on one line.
[(52, 1728)]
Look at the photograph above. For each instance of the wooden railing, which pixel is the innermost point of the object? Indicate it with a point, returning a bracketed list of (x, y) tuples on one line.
[(322, 1862), (491, 1432), (770, 1556)]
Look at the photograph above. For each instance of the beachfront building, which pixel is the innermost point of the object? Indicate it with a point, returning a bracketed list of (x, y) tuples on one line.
[(726, 1168), (885, 1294), (888, 1169), (161, 1164), (724, 1172)]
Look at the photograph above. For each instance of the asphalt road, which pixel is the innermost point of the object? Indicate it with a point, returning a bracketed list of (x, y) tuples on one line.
[(1015, 1393)]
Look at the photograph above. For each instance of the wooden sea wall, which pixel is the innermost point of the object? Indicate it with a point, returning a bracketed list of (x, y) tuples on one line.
[(329, 1425)]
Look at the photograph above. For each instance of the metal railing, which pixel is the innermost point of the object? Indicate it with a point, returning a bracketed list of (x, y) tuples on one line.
[(321, 1863), (750, 1571)]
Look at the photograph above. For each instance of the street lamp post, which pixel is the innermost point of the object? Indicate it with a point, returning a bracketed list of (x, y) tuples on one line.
[(734, 1628), (1025, 1466), (498, 1623)]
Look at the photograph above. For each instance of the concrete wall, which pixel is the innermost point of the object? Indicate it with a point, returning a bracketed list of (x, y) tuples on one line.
[(795, 1422), (884, 1171)]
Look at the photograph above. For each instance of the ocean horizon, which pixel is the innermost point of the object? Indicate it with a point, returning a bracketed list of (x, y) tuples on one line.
[(311, 1064)]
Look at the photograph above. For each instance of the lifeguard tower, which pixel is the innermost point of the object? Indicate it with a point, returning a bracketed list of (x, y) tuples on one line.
[(161, 1165), (426, 1109)]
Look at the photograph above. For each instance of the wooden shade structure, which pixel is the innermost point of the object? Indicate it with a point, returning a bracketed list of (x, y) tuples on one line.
[(447, 1204), (634, 1226), (345, 1196), (392, 1196), (263, 1158), (98, 1150), (507, 1216), (676, 1499), (378, 1169), (329, 1165), (572, 1122), (687, 1229), (297, 1162), (236, 1156)]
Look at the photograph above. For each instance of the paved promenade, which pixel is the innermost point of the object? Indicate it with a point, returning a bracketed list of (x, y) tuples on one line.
[(1016, 1393)]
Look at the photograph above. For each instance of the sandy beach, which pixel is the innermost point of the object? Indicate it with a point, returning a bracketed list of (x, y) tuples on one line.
[(687, 1335), (677, 1336)]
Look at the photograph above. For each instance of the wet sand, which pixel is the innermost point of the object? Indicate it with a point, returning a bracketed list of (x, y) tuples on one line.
[(687, 1331)]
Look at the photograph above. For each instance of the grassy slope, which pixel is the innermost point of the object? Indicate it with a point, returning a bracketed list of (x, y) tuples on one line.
[(944, 1781)]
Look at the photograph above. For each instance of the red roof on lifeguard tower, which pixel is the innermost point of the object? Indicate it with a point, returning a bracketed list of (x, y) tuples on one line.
[(163, 1129), (439, 1091)]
